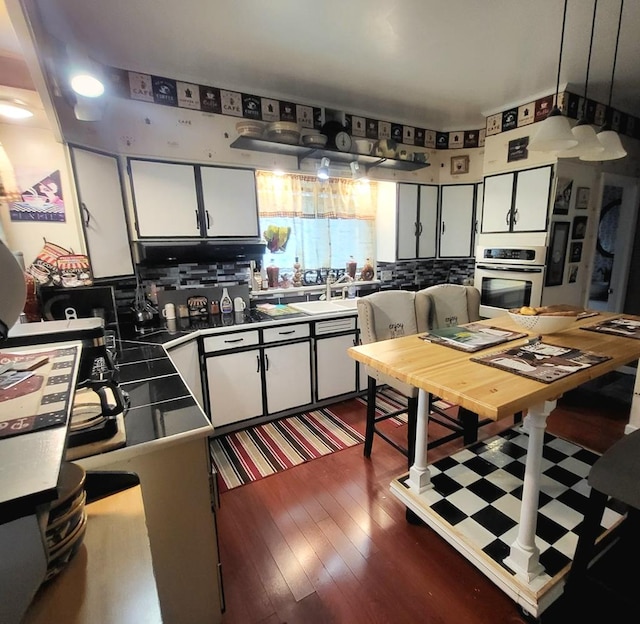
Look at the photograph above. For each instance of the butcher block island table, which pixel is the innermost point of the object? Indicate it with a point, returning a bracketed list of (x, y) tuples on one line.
[(485, 500)]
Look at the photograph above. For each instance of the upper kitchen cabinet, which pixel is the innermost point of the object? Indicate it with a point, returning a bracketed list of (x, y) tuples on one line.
[(456, 220), (165, 199), (517, 201), (99, 187), (229, 202), (175, 200), (408, 229)]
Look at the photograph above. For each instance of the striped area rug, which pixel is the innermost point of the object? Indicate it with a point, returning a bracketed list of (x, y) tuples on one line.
[(264, 450)]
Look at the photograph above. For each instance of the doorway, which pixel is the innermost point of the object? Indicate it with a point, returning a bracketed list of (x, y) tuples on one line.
[(614, 243)]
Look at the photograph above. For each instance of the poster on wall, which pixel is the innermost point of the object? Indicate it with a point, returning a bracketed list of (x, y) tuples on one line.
[(557, 253), (563, 196), (41, 202)]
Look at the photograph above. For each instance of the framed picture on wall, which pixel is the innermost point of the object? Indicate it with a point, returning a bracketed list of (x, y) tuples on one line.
[(582, 197), (579, 228), (557, 253), (563, 196), (459, 164), (575, 252), (573, 273)]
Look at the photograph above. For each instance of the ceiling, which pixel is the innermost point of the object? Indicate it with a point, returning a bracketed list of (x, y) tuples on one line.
[(438, 64)]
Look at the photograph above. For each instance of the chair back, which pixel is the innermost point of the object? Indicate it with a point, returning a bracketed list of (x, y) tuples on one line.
[(445, 305), (387, 314)]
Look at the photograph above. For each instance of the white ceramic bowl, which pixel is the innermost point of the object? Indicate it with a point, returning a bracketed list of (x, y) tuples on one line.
[(316, 140), (249, 128), (543, 323), (283, 132)]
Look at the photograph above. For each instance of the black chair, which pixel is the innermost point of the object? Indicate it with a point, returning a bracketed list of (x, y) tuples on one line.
[(615, 474)]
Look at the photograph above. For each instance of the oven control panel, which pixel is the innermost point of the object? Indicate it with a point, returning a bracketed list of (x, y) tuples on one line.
[(502, 253)]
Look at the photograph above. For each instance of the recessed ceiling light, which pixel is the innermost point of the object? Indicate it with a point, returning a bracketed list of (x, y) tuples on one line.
[(14, 109), (87, 85)]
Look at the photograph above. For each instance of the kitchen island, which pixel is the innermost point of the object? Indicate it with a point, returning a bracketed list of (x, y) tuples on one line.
[(500, 537)]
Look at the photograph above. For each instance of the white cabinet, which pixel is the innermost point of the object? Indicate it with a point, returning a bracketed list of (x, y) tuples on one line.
[(517, 201), (165, 199), (185, 359), (335, 370), (183, 200), (287, 373), (99, 188), (234, 384), (456, 220), (416, 224), (229, 202)]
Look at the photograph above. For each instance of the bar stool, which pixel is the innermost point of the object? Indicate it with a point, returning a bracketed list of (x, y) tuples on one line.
[(615, 474), (384, 315)]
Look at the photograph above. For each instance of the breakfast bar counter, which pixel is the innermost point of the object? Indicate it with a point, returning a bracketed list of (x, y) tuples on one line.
[(510, 471)]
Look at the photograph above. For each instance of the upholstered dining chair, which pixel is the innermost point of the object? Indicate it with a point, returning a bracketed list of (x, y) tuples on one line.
[(384, 315), (445, 305)]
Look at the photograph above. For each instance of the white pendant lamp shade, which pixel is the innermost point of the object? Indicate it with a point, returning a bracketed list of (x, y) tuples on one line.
[(587, 141), (554, 134), (611, 147)]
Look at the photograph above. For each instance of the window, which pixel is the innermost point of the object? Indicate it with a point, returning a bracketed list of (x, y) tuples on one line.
[(322, 223)]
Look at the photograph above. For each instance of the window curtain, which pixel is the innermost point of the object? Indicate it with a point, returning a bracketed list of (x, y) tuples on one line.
[(293, 195)]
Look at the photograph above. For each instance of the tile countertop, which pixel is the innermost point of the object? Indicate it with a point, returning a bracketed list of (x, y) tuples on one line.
[(162, 408)]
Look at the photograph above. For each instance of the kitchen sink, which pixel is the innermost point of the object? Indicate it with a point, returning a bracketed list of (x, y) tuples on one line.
[(324, 307)]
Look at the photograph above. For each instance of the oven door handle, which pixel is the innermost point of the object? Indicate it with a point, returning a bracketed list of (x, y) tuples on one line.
[(510, 269)]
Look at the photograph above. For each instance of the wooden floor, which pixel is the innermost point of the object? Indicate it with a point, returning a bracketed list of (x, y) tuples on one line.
[(326, 542)]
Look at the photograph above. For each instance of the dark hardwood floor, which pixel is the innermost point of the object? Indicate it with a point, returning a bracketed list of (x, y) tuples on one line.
[(327, 542)]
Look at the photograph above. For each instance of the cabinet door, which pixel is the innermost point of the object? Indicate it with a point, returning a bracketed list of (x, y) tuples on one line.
[(456, 221), (99, 189), (229, 197), (407, 219), (235, 387), (335, 370), (185, 359), (288, 376), (532, 200), (427, 221), (165, 199), (496, 209)]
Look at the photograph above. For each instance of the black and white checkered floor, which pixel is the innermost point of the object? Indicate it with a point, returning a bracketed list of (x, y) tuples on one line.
[(479, 489)]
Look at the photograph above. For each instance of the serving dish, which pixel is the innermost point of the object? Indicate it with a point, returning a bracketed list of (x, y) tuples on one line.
[(315, 140), (249, 128), (545, 320), (283, 132)]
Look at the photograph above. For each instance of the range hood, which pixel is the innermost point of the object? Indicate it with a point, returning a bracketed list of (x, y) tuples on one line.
[(163, 252)]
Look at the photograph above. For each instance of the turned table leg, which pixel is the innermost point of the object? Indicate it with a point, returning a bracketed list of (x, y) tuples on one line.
[(419, 475)]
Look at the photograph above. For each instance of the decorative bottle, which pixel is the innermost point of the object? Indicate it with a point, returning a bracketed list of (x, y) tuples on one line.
[(297, 273), (272, 274), (352, 265), (367, 273), (226, 305)]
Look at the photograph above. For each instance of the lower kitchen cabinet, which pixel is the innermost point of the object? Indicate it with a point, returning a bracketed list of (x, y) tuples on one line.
[(235, 387), (287, 373), (185, 359), (336, 372)]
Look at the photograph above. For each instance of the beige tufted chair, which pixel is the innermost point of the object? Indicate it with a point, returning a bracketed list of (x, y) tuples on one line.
[(384, 315)]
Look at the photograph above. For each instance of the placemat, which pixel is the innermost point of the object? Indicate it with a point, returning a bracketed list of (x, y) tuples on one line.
[(621, 326), (472, 337), (541, 361), (41, 399)]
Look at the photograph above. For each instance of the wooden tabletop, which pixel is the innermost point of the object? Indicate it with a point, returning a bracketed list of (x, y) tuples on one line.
[(491, 392)]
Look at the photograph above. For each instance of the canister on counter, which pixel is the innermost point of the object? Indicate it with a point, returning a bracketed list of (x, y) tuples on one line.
[(215, 307)]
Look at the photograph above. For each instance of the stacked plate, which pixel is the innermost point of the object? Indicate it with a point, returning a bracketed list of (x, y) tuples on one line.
[(67, 520), (283, 132)]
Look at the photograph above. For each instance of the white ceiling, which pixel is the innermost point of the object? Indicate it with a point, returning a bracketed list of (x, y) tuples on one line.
[(439, 64)]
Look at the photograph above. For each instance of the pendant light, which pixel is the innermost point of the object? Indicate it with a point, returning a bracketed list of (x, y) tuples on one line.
[(323, 169), (609, 139), (554, 133), (583, 131)]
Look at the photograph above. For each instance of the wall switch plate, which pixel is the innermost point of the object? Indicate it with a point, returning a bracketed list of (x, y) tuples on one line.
[(386, 276)]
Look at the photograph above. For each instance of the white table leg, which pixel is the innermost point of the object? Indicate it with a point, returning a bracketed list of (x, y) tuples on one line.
[(419, 475), (524, 556)]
